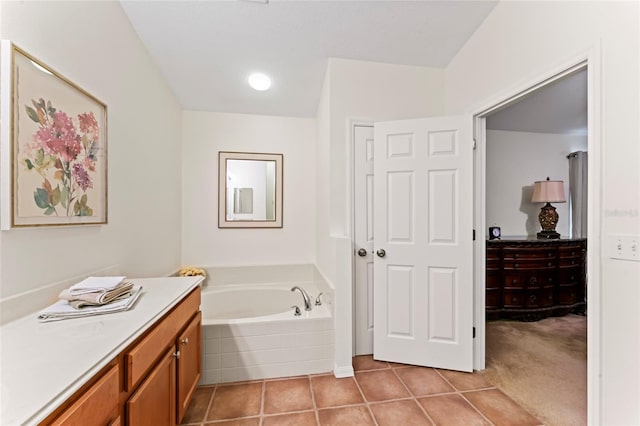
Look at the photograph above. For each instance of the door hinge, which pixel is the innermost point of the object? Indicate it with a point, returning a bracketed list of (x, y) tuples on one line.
[(474, 144), (474, 235), (474, 332)]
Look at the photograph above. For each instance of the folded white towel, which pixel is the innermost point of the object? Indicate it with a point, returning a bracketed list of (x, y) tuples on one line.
[(93, 284), (62, 309), (98, 297)]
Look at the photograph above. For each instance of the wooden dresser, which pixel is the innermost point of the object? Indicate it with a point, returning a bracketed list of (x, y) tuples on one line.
[(534, 279)]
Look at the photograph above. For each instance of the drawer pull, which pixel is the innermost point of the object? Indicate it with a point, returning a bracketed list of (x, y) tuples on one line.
[(573, 278), (516, 255), (549, 254), (516, 265), (550, 280), (514, 281), (549, 264), (533, 281), (185, 341), (533, 298)]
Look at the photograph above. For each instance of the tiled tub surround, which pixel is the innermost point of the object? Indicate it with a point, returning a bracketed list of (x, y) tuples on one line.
[(278, 344)]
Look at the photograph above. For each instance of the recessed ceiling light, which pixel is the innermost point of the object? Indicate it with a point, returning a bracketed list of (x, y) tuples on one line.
[(259, 81)]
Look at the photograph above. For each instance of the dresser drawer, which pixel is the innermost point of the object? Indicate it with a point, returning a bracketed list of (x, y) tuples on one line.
[(571, 275), (529, 263), (568, 295), (546, 297), (144, 354), (493, 254), (532, 278), (571, 251), (528, 253), (525, 299)]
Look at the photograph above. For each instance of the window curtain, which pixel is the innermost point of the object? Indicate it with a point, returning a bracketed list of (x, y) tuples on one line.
[(578, 193)]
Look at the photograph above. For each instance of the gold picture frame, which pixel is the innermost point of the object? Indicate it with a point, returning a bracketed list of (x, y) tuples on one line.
[(249, 174), (54, 148)]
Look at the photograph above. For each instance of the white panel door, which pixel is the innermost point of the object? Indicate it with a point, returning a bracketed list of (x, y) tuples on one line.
[(423, 198), (363, 218)]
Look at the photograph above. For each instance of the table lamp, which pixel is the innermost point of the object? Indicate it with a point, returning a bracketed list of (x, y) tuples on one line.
[(548, 191)]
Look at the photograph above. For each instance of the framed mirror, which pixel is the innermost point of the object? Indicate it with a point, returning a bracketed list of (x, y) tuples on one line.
[(249, 190)]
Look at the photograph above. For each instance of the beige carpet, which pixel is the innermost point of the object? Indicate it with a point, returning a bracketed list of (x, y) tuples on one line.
[(542, 365)]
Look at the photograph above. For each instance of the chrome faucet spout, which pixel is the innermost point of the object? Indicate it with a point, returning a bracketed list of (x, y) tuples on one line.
[(305, 296)]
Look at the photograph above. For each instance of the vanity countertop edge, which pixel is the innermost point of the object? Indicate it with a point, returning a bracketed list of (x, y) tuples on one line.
[(43, 364)]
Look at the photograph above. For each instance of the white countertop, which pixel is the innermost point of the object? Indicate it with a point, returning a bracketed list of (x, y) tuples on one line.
[(43, 364)]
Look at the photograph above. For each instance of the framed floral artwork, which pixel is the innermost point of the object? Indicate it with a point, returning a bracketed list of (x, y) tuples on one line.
[(54, 150)]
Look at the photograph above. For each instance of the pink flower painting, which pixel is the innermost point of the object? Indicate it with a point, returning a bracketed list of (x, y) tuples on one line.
[(63, 151)]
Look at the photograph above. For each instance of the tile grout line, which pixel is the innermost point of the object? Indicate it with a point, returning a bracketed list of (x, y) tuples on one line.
[(415, 398), (263, 391), (313, 401), (210, 404), (476, 408), (460, 392), (364, 398)]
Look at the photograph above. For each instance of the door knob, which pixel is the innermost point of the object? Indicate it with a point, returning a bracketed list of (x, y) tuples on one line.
[(362, 252), (381, 253)]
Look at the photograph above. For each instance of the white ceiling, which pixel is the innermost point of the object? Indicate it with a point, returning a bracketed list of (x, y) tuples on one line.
[(206, 49), (560, 107)]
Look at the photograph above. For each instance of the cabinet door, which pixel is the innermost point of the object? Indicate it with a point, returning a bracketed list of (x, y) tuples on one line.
[(153, 404), (189, 363)]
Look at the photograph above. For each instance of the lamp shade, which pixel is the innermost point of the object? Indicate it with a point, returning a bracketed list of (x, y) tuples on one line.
[(548, 191)]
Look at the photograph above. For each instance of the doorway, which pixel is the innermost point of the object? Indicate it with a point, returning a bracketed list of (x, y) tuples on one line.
[(589, 64), (533, 307)]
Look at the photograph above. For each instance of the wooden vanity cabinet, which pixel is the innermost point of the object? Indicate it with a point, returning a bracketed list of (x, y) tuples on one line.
[(151, 382), (163, 367), (97, 405), (189, 363), (534, 279), (153, 403)]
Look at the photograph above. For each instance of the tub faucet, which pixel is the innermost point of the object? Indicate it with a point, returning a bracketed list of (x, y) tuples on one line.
[(305, 296)]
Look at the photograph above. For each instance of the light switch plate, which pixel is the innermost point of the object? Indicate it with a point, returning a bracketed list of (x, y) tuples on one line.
[(626, 247)]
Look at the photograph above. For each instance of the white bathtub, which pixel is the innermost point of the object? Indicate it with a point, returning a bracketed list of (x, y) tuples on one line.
[(249, 328), (258, 303)]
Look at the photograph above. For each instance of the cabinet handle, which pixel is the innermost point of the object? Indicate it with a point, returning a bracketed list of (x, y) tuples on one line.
[(185, 341), (514, 281), (516, 265), (549, 264), (176, 354)]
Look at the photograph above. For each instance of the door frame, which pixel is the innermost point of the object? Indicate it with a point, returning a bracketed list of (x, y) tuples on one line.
[(590, 60)]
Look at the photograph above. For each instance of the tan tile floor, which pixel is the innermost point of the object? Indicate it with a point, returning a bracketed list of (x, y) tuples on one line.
[(381, 394)]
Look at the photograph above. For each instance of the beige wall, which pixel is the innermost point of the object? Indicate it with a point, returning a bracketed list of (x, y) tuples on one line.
[(366, 91), (520, 40), (94, 45), (207, 133), (515, 160)]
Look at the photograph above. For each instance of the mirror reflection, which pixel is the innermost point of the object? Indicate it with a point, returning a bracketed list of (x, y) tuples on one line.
[(250, 190)]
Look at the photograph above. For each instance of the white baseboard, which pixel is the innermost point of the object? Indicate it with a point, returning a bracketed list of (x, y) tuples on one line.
[(344, 371)]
